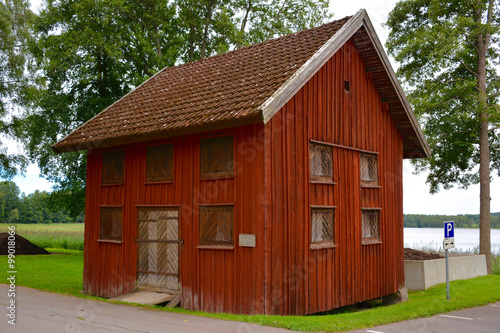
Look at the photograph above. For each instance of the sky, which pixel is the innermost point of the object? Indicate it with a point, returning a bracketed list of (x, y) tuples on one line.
[(417, 199)]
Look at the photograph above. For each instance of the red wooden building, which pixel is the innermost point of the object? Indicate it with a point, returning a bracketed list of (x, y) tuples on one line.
[(263, 180)]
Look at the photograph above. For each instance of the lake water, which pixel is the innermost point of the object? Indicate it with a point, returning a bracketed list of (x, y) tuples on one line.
[(465, 239)]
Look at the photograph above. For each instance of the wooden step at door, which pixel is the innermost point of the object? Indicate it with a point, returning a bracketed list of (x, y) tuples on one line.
[(148, 297)]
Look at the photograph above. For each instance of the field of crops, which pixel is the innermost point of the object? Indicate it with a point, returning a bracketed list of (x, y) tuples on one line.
[(67, 236)]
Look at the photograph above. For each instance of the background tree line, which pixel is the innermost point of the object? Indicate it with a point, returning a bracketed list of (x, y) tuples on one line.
[(16, 207), (436, 221)]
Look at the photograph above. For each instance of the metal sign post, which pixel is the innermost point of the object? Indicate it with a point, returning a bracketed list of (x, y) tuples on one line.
[(448, 243)]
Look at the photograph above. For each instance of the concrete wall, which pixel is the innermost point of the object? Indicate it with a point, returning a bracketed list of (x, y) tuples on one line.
[(422, 274)]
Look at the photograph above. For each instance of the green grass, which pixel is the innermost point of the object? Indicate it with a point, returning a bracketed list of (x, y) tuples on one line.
[(464, 294), (59, 273), (495, 260), (64, 236), (54, 227), (62, 273)]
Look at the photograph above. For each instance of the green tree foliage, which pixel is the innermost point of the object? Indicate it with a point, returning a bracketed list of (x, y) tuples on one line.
[(15, 23), (214, 26), (31, 208), (448, 51), (92, 52), (78, 50)]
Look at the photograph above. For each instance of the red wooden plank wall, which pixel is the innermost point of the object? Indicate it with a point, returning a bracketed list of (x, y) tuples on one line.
[(304, 280), (272, 196), (212, 280)]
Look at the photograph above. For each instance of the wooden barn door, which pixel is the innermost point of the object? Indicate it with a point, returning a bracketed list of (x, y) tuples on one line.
[(158, 248)]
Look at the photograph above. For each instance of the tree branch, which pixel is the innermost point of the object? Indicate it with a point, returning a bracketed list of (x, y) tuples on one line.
[(493, 95), (449, 133), (467, 68), (472, 44)]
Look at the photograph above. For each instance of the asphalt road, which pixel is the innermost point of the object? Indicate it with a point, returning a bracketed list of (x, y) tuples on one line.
[(39, 312), (484, 319)]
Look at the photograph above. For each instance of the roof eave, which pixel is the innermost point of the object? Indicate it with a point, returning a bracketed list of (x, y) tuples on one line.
[(254, 118)]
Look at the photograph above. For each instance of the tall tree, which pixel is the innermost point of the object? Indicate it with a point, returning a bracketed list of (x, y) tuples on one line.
[(149, 39), (92, 52), (448, 51), (260, 20), (78, 50), (214, 26), (15, 31)]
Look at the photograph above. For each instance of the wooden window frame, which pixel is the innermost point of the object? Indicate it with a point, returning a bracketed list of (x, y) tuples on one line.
[(373, 239), (107, 235), (204, 243), (372, 182), (324, 243), (150, 150), (107, 158), (205, 152), (314, 178)]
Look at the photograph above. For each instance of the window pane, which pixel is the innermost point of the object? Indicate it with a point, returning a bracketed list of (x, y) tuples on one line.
[(321, 162), (112, 166), (370, 224), (159, 163), (216, 225), (111, 223), (216, 157), (322, 225), (369, 172)]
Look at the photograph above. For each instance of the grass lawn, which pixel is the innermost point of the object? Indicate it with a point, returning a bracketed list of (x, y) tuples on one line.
[(58, 235), (59, 273), (54, 227), (62, 273), (464, 294)]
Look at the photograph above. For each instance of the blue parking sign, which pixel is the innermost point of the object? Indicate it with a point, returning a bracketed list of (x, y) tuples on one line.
[(449, 229)]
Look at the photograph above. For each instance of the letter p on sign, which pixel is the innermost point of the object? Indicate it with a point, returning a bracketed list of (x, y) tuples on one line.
[(449, 229)]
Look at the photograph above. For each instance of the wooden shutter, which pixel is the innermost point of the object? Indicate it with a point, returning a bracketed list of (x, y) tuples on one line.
[(159, 163), (322, 225), (216, 157), (111, 223), (216, 225), (370, 224), (321, 159), (369, 169), (112, 166)]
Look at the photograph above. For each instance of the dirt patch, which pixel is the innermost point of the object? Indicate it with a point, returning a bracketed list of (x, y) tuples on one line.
[(411, 254), (23, 246)]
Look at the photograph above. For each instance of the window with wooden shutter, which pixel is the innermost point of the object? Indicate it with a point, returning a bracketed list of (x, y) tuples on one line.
[(159, 163), (111, 224), (370, 224), (216, 225), (321, 157), (369, 169), (322, 225), (112, 166), (216, 157)]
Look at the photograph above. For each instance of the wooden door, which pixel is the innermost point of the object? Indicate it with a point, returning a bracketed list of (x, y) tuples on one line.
[(158, 248)]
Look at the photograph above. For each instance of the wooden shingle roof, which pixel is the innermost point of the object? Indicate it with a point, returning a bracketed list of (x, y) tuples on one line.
[(245, 86)]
